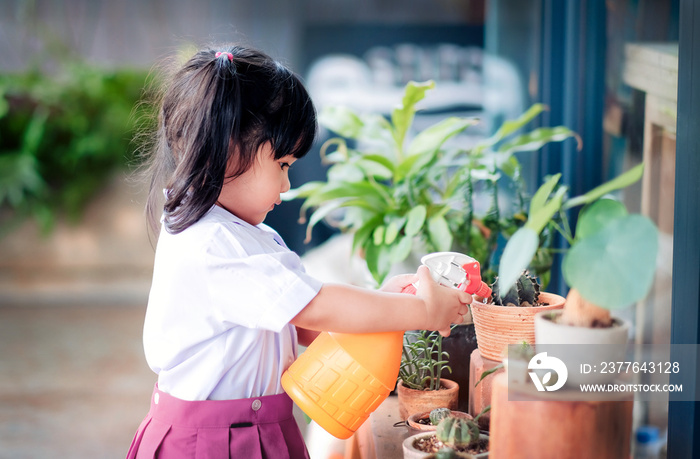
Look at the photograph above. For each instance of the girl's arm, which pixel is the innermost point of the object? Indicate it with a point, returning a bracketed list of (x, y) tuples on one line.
[(347, 309), (394, 284)]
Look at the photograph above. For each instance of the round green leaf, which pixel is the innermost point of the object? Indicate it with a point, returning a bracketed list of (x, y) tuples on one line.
[(518, 253), (614, 267), (595, 216)]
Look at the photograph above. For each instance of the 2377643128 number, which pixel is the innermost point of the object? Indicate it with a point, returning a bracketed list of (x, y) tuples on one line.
[(639, 367)]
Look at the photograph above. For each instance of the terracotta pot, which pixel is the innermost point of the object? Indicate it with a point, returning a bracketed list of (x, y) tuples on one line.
[(499, 326), (413, 401), (414, 423)]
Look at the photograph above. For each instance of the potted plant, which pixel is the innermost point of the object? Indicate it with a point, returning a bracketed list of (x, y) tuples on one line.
[(403, 193), (507, 316), (428, 420), (420, 385), (609, 265), (453, 437)]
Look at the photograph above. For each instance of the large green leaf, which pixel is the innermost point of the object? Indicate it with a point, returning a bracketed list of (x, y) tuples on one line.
[(428, 141), (518, 253), (597, 215), (416, 218), (439, 232), (614, 267), (402, 115), (341, 120)]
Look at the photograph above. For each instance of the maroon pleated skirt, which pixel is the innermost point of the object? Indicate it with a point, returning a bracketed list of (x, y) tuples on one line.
[(261, 427)]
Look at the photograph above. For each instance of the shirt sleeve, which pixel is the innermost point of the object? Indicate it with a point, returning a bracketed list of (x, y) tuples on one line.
[(258, 290)]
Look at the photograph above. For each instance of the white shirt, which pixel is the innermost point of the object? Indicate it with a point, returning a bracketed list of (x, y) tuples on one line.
[(223, 293)]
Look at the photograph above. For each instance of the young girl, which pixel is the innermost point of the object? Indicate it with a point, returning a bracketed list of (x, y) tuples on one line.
[(229, 301)]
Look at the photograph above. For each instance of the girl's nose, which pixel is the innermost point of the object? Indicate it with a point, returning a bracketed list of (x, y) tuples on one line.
[(286, 184)]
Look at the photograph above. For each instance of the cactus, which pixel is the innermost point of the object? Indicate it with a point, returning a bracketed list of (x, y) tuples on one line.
[(457, 432), (525, 292), (438, 414)]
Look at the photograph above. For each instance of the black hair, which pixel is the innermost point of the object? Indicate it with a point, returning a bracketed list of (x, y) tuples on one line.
[(223, 101)]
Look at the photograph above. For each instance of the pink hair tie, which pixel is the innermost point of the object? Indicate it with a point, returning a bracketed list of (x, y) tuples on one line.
[(229, 55)]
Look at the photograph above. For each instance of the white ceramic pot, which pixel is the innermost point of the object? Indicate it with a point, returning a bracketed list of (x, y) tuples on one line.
[(585, 351)]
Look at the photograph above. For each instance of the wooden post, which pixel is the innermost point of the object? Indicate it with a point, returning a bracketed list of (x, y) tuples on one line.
[(557, 429)]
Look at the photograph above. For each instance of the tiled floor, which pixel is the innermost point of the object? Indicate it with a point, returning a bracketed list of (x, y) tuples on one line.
[(74, 381)]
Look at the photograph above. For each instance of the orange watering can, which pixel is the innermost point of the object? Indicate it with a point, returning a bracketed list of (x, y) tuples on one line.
[(342, 378)]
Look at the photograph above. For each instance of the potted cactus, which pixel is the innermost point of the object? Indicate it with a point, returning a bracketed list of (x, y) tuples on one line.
[(420, 385), (429, 420), (453, 437), (507, 317)]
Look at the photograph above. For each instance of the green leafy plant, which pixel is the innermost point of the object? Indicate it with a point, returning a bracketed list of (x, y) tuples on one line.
[(423, 360), (611, 260), (402, 190), (62, 134)]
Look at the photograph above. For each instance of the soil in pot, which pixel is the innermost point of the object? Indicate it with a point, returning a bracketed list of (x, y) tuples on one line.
[(421, 421), (430, 444)]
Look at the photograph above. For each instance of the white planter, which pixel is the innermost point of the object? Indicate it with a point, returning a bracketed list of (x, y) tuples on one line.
[(410, 452), (577, 346)]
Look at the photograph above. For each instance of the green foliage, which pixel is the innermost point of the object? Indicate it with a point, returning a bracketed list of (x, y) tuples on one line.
[(525, 292), (61, 134), (401, 189), (438, 414), (423, 360), (612, 256)]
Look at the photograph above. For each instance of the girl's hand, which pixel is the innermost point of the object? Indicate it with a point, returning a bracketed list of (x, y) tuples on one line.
[(396, 284), (444, 305)]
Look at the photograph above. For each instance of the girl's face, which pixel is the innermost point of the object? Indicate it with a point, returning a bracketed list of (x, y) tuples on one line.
[(251, 195)]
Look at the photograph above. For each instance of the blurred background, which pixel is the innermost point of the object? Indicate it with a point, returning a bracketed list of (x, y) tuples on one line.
[(75, 256)]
